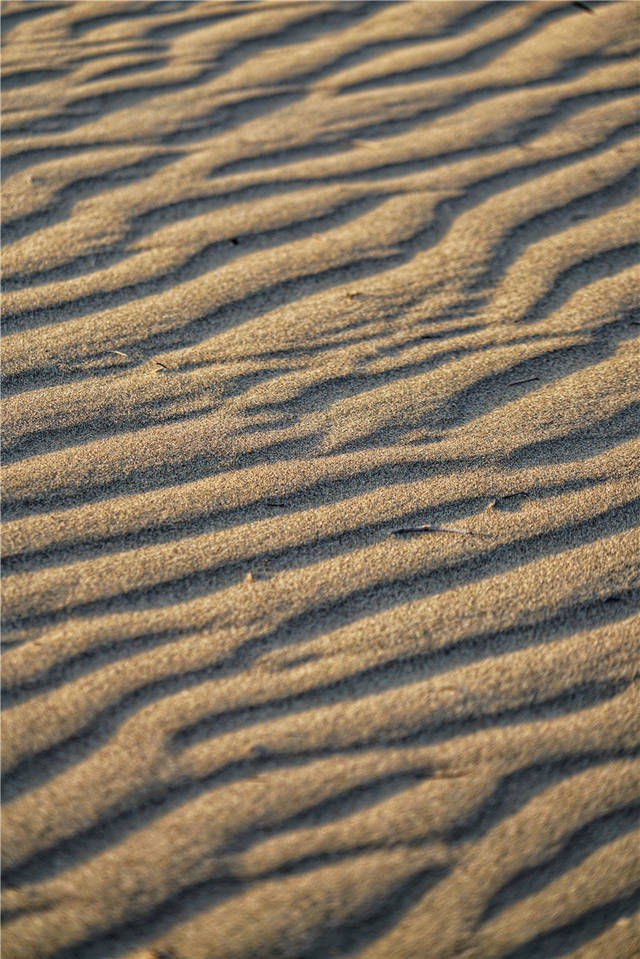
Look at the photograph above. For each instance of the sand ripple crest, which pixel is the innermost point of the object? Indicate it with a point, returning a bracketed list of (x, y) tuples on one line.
[(279, 280)]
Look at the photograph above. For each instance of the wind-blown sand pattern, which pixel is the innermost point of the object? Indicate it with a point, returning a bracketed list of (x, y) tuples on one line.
[(281, 279)]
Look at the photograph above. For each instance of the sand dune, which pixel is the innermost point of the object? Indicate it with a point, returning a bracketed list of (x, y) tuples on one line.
[(282, 279)]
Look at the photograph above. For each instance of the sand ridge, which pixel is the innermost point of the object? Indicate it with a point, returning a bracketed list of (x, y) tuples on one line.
[(280, 280)]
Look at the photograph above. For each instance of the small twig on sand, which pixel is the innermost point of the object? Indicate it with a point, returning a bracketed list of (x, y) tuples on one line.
[(433, 528), (529, 379), (120, 353), (357, 294), (163, 365), (582, 6)]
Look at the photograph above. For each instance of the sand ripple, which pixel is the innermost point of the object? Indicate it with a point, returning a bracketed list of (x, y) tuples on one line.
[(279, 280)]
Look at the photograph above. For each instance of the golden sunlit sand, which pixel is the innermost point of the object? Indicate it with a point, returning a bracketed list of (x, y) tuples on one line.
[(284, 283)]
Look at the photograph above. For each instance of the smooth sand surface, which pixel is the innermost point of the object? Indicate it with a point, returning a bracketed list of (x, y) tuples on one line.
[(280, 280)]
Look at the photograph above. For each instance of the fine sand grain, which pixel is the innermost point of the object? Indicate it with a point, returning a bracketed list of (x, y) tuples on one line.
[(282, 281)]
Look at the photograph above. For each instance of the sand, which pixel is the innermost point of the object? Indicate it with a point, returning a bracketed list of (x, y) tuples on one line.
[(280, 280)]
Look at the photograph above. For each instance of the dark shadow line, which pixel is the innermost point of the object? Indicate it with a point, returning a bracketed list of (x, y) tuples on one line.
[(23, 78), (288, 291), (582, 843), (28, 11), (316, 397), (143, 224), (221, 252), (586, 271), (118, 823), (572, 935), (554, 221), (50, 761), (65, 198), (477, 57), (595, 437)]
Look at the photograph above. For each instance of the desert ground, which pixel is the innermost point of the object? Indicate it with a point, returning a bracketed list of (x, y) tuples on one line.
[(321, 480)]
